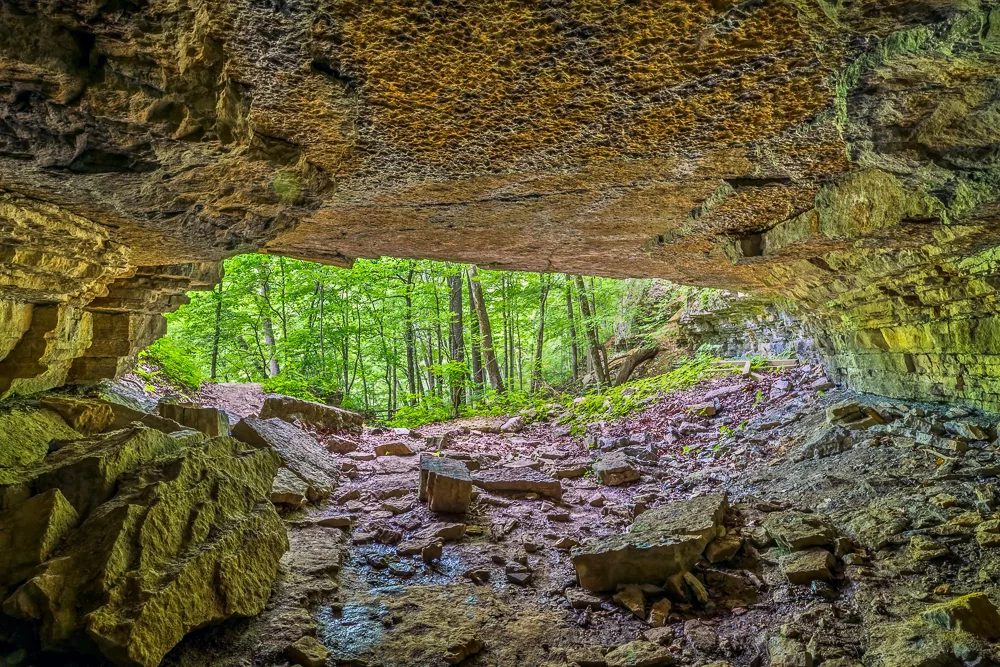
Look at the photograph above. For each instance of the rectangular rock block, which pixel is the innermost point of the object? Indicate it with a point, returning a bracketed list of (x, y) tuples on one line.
[(445, 484)]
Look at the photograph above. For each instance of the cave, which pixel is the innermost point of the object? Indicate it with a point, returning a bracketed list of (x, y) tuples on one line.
[(827, 169)]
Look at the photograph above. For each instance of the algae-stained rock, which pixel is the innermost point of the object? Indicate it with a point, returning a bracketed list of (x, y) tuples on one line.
[(188, 540), (26, 435), (804, 567), (798, 530), (30, 533), (662, 542), (299, 452), (86, 416), (325, 418), (308, 652), (210, 421), (86, 471), (125, 416), (514, 480), (639, 653), (973, 613)]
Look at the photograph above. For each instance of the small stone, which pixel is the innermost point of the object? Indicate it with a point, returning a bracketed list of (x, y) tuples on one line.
[(560, 516), (462, 646), (446, 531), (400, 506), (706, 409), (565, 543), (633, 599), (445, 484), (659, 613), (377, 561), (614, 469), (924, 548), (308, 652), (581, 599), (663, 635), (723, 548), (529, 546), (401, 569), (519, 578), (988, 533), (639, 653)]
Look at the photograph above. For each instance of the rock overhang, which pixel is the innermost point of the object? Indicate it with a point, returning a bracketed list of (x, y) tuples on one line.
[(837, 156)]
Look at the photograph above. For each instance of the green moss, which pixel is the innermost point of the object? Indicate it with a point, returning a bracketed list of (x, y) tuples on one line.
[(26, 436), (286, 186)]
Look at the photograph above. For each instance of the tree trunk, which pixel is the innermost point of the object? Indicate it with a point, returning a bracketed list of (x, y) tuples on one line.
[(218, 328), (536, 369), (456, 339), (408, 338), (492, 369), (573, 349), (588, 325), (632, 361), (477, 356), (268, 326)]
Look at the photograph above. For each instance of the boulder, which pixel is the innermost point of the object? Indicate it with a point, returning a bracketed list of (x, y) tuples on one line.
[(30, 533), (973, 613), (85, 416), (324, 418), (723, 548), (210, 421), (614, 469), (336, 444), (186, 541), (27, 434), (298, 450), (125, 416), (518, 480), (445, 484), (805, 567), (662, 542)]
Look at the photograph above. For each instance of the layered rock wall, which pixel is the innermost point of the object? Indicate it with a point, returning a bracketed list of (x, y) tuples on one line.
[(840, 156)]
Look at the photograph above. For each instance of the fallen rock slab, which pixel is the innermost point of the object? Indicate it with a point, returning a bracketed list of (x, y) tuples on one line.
[(518, 480), (662, 542), (393, 449), (325, 418), (639, 653), (298, 450), (805, 567)]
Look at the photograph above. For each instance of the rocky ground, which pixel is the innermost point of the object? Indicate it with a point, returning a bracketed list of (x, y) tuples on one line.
[(772, 520)]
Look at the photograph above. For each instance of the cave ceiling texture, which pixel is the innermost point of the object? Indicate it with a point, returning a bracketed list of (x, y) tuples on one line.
[(840, 155)]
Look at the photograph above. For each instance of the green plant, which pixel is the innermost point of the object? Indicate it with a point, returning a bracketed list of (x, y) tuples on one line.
[(172, 363), (757, 399)]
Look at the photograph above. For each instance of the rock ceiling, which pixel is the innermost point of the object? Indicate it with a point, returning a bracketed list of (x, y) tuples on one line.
[(839, 153)]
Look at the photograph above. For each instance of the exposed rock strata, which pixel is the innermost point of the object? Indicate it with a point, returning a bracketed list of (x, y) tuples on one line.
[(840, 155)]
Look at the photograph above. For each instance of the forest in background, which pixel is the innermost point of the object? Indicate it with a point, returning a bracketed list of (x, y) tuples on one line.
[(412, 340)]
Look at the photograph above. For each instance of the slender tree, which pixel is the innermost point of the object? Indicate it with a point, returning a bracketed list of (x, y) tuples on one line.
[(486, 332), (456, 338), (536, 370), (600, 370), (573, 349)]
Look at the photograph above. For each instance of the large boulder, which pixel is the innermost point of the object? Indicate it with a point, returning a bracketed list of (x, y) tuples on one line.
[(30, 532), (27, 434), (86, 416), (299, 452), (323, 418), (210, 421), (662, 542), (186, 540)]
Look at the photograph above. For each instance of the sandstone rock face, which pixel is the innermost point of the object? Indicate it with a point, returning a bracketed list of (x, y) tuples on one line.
[(518, 480), (85, 416), (662, 542), (210, 421), (658, 140), (174, 533)]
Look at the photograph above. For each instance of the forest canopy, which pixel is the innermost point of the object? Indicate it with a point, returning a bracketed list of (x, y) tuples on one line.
[(394, 336)]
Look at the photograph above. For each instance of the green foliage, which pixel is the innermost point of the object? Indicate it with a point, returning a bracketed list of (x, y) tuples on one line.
[(617, 402), (427, 410), (173, 364)]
